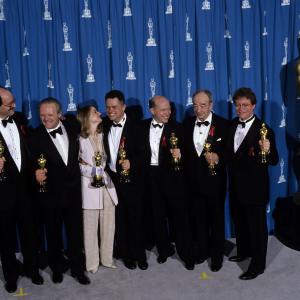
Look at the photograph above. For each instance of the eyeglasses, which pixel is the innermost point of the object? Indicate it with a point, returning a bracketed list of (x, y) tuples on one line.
[(242, 106), (12, 105)]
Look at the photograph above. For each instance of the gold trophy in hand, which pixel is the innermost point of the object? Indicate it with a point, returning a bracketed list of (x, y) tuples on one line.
[(124, 174), (2, 175), (42, 163), (211, 166), (98, 179), (263, 136), (174, 145)]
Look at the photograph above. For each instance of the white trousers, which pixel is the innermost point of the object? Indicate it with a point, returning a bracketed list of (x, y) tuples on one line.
[(104, 221)]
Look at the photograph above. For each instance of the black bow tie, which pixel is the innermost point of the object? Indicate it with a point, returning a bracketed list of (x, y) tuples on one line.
[(205, 123), (8, 120), (116, 125), (54, 132), (157, 125), (243, 123)]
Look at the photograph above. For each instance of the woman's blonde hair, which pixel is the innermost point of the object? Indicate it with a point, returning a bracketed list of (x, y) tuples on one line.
[(83, 115)]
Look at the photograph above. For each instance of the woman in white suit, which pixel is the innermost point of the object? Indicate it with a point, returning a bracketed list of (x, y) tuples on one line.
[(98, 203)]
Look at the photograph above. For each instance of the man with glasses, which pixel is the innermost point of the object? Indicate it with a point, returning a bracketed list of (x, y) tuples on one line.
[(249, 182), (15, 201)]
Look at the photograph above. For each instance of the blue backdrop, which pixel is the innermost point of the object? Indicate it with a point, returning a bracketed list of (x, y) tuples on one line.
[(77, 50)]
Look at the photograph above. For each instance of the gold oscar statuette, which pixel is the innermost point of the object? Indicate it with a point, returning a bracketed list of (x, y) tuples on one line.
[(263, 136), (42, 163), (211, 166), (174, 145), (124, 174), (2, 174), (98, 179)]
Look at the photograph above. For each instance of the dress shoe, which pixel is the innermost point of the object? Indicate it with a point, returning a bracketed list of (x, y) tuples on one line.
[(189, 265), (11, 286), (161, 259), (81, 278), (215, 267), (130, 264), (142, 264), (237, 258), (37, 279), (248, 275), (57, 277)]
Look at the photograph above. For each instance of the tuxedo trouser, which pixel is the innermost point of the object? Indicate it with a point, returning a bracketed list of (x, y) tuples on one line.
[(128, 235), (169, 211), (100, 221), (71, 217), (251, 233), (208, 219)]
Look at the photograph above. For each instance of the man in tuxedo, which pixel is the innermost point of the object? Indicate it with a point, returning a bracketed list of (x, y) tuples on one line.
[(15, 201), (57, 141), (164, 181), (207, 186), (120, 132), (249, 182)]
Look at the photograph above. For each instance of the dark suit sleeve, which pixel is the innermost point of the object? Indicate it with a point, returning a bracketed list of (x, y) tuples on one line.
[(273, 155)]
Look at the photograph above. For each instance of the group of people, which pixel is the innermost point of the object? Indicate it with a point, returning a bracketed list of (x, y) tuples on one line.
[(121, 186)]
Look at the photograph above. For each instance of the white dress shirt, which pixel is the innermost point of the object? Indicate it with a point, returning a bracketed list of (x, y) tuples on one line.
[(61, 142), (11, 136), (201, 133), (114, 138), (155, 136), (241, 132)]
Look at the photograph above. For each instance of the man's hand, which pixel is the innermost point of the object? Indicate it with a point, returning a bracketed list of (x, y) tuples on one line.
[(264, 145), (2, 161), (212, 158), (40, 175), (176, 153), (125, 164)]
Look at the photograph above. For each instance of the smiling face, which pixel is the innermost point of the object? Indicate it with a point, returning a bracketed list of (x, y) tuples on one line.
[(115, 109), (50, 115), (244, 108), (161, 111), (202, 106), (7, 108)]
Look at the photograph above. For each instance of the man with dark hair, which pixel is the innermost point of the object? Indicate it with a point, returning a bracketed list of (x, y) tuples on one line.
[(120, 134), (206, 176), (57, 141), (15, 202), (161, 141), (252, 148)]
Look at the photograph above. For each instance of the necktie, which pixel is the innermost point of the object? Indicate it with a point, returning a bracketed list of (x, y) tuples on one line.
[(116, 125), (8, 120), (54, 132), (157, 125), (243, 123), (205, 123)]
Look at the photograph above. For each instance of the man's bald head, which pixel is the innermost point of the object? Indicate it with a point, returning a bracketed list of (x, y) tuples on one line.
[(7, 103), (160, 109)]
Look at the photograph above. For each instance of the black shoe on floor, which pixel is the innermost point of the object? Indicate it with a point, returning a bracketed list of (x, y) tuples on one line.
[(11, 286), (161, 259), (215, 267), (142, 264), (189, 265), (57, 277), (130, 264), (248, 275), (237, 258), (81, 278)]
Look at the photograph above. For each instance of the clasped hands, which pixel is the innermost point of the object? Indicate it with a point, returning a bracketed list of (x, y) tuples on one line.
[(212, 158), (2, 161), (264, 145), (40, 175)]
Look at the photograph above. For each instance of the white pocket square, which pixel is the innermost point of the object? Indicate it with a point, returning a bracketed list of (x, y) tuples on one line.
[(219, 139)]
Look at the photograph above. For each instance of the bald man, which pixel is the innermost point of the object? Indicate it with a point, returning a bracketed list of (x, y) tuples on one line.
[(15, 201), (163, 185)]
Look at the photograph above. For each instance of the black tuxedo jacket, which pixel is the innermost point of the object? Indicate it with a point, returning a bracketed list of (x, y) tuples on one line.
[(16, 187), (165, 156), (249, 178), (63, 181), (196, 167), (130, 138)]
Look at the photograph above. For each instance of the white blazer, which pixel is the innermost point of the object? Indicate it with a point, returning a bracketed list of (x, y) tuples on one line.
[(92, 198)]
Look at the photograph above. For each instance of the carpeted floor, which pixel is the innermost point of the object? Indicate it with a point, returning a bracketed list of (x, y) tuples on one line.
[(172, 281)]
